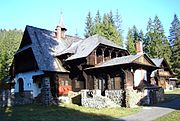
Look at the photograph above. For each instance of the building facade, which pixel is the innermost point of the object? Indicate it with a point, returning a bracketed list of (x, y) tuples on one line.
[(49, 65)]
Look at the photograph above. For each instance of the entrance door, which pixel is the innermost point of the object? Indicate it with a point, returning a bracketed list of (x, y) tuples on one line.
[(21, 86)]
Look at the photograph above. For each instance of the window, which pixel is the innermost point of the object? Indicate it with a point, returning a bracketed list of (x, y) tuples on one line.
[(77, 84)]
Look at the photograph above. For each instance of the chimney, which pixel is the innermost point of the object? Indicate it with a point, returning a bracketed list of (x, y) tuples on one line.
[(139, 47), (60, 29)]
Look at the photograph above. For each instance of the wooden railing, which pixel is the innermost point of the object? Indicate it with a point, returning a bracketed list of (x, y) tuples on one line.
[(163, 73)]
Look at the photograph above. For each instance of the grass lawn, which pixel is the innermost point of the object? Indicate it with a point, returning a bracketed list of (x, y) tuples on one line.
[(173, 116), (171, 95), (64, 112)]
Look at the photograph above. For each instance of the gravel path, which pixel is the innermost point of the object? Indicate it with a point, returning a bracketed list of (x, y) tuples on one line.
[(152, 112)]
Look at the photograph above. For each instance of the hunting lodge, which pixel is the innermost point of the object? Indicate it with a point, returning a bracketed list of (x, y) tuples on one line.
[(54, 66)]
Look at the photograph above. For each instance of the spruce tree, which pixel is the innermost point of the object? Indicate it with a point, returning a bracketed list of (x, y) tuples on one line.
[(9, 42), (130, 42), (89, 26), (155, 43), (97, 24), (105, 27), (175, 46), (135, 34)]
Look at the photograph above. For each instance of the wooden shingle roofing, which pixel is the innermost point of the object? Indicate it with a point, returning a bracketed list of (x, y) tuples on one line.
[(86, 46), (45, 46)]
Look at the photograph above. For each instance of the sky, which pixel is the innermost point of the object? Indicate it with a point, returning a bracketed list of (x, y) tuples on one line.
[(46, 13)]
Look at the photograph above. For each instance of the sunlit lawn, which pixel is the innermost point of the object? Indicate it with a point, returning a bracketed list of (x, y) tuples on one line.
[(172, 95), (65, 112), (173, 116)]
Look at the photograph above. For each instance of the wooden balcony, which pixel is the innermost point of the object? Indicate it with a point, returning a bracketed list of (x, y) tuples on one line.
[(163, 73)]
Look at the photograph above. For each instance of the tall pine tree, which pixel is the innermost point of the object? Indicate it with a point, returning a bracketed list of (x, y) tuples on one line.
[(105, 27), (155, 43), (175, 45), (89, 26), (130, 42)]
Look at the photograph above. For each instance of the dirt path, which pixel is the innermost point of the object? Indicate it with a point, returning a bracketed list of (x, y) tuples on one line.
[(152, 112)]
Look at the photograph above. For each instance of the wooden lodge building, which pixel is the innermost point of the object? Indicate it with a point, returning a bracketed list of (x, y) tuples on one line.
[(163, 77), (51, 64)]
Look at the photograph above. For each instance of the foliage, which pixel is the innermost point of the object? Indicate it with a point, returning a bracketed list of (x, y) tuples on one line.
[(89, 26), (175, 45), (130, 42), (64, 112), (9, 42), (108, 26), (156, 44)]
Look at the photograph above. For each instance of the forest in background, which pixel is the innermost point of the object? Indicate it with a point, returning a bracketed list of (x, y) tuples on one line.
[(155, 43)]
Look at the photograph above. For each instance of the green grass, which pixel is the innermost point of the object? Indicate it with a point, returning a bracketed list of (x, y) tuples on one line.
[(173, 116), (170, 95), (65, 112)]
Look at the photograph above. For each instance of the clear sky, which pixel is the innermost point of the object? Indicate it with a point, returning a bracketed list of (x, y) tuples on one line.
[(46, 13)]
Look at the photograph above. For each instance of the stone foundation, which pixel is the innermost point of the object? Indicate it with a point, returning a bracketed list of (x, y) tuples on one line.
[(148, 96), (93, 99), (117, 96), (133, 97)]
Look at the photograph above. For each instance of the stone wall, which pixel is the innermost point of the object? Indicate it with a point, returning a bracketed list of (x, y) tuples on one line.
[(147, 96), (117, 96), (133, 97), (160, 95), (7, 98), (93, 99)]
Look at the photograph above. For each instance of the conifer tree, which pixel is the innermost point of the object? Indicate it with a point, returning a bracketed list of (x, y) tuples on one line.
[(130, 42), (9, 42), (135, 34), (97, 24), (89, 26), (175, 46), (106, 27), (155, 43)]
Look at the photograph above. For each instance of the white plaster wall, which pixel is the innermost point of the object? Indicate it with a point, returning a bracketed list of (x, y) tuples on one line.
[(139, 75), (28, 82)]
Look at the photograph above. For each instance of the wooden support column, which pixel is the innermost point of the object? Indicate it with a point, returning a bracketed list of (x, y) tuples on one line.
[(109, 82), (116, 54), (95, 57), (95, 83), (103, 55), (110, 51)]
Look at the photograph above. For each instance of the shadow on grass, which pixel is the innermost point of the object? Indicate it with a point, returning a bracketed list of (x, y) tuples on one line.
[(170, 101), (49, 113)]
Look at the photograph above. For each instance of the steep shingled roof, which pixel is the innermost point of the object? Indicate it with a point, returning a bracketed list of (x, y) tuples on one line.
[(45, 46), (85, 47)]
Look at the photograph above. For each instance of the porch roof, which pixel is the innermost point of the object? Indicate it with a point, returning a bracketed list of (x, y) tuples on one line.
[(124, 61)]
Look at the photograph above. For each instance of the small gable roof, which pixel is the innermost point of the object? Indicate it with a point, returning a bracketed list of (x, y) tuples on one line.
[(85, 47), (123, 60), (157, 61)]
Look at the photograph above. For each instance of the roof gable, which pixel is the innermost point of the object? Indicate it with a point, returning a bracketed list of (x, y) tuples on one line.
[(26, 40), (162, 63), (144, 59), (45, 46)]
